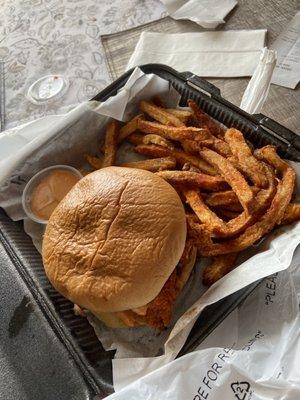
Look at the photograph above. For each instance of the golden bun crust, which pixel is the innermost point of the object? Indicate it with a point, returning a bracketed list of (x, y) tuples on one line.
[(113, 241)]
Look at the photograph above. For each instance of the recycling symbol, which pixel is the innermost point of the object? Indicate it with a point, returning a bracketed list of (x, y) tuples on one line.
[(240, 389)]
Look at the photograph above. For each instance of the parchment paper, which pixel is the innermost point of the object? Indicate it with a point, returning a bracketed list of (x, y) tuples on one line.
[(64, 140)]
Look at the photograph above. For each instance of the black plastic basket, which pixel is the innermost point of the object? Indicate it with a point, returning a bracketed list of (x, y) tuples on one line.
[(89, 360)]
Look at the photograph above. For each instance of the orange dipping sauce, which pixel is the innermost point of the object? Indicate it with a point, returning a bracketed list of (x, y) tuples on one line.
[(50, 191)]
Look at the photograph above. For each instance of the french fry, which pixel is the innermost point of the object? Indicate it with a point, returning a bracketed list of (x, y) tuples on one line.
[(226, 214), (206, 216), (220, 147), (160, 114), (110, 144), (247, 162), (171, 132), (291, 214), (189, 178), (135, 138), (94, 162), (199, 233), (232, 176), (270, 218), (129, 128), (153, 165), (206, 121), (193, 147), (159, 140), (268, 154), (219, 267), (220, 199), (233, 207), (183, 115), (158, 101), (181, 157), (217, 226), (186, 264), (192, 216), (225, 198), (188, 167)]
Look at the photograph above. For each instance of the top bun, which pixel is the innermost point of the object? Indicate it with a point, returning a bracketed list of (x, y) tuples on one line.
[(114, 240)]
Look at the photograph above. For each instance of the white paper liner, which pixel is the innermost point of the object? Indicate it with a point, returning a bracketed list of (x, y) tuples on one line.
[(64, 140), (253, 354)]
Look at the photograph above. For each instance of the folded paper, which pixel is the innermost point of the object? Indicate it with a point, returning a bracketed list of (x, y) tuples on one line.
[(207, 54)]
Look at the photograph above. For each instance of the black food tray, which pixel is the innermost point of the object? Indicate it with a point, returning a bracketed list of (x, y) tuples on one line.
[(77, 366)]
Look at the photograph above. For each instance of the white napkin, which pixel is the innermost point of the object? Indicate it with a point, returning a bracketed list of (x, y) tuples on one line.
[(207, 13), (213, 54), (258, 88)]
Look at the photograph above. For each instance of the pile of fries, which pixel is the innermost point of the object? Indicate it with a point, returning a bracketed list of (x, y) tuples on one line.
[(233, 194)]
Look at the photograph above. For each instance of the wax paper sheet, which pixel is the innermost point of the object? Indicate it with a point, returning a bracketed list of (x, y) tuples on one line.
[(253, 354), (64, 140)]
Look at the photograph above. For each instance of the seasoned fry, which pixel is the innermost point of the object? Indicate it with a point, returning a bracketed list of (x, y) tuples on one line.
[(269, 219), (135, 138), (110, 145), (193, 147), (160, 114), (156, 139), (226, 214), (152, 150), (220, 147), (199, 233), (206, 139), (206, 121), (247, 162), (206, 216), (225, 198), (181, 157), (219, 267), (291, 214), (232, 176), (183, 115), (128, 129), (171, 132), (153, 165), (188, 167), (221, 199), (268, 153), (186, 264), (234, 207), (221, 229), (158, 101), (188, 178), (94, 162)]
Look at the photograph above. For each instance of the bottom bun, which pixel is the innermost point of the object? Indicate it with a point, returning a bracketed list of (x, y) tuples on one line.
[(111, 320)]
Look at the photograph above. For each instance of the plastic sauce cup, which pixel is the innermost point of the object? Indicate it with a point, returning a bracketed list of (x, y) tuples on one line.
[(33, 183)]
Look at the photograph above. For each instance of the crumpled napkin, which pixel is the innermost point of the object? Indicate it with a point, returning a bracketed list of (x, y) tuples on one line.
[(207, 13)]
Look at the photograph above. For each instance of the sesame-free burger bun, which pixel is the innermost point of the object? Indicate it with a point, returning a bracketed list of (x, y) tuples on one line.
[(114, 240)]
